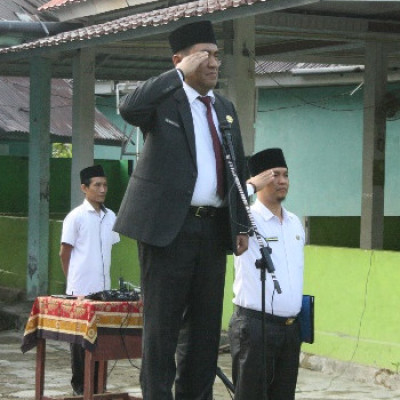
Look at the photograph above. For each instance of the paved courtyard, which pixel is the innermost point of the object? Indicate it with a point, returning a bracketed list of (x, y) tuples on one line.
[(325, 381)]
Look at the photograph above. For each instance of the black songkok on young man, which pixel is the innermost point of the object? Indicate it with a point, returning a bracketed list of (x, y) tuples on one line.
[(266, 159), (91, 172), (191, 34)]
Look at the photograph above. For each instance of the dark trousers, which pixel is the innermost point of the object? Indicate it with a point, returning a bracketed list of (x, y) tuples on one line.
[(78, 368), (182, 287), (282, 358)]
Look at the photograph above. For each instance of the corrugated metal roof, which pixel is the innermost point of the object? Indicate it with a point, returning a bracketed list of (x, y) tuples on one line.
[(19, 10), (14, 113), (269, 67), (58, 3), (131, 22)]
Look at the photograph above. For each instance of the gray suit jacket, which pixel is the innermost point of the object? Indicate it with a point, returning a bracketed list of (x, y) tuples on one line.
[(160, 189)]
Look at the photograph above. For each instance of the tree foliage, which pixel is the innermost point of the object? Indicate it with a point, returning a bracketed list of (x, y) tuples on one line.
[(62, 150)]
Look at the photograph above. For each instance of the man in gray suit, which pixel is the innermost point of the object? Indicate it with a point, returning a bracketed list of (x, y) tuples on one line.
[(184, 210)]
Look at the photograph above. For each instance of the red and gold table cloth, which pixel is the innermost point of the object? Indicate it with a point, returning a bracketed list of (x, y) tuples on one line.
[(80, 320)]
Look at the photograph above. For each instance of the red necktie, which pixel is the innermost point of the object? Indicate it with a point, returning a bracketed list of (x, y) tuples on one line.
[(219, 161)]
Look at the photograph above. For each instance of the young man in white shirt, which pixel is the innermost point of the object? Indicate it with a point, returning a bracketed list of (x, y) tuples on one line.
[(86, 243), (283, 232)]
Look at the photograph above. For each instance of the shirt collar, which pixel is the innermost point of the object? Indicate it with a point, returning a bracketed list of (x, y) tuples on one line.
[(193, 94), (265, 212), (89, 207)]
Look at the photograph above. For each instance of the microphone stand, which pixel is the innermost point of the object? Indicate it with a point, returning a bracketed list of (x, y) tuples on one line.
[(265, 262), (228, 384)]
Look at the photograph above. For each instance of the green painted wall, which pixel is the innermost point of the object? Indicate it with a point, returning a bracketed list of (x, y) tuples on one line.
[(320, 130), (14, 184), (228, 296), (13, 256), (355, 290), (13, 252), (356, 303), (345, 232)]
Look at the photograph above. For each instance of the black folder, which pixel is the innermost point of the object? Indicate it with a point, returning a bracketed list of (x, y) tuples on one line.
[(306, 319)]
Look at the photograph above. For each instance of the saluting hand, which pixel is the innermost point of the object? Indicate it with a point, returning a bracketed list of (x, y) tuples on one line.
[(190, 63), (262, 179)]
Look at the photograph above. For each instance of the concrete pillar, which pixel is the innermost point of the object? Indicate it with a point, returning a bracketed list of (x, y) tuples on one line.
[(83, 107), (39, 174), (373, 169), (238, 83)]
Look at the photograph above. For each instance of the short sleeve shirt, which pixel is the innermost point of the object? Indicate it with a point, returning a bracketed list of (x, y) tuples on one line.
[(91, 235), (286, 238)]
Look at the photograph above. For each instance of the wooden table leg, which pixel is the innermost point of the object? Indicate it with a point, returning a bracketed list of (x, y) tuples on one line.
[(101, 377), (88, 380), (40, 366)]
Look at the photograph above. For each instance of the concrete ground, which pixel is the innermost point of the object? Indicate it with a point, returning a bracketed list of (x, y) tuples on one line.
[(319, 379), (17, 376)]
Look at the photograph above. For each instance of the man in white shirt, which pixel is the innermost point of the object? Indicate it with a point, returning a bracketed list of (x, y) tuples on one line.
[(282, 231), (86, 242)]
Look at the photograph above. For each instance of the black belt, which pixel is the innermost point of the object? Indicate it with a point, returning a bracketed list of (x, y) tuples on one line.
[(268, 317), (204, 211)]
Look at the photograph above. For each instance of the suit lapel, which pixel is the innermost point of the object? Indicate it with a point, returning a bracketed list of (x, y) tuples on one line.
[(186, 116), (222, 112), (220, 109)]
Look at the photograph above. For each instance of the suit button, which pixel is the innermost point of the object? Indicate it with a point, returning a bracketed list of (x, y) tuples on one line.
[(194, 174)]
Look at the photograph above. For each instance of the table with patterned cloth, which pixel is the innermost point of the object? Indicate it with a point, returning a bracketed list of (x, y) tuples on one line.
[(107, 330)]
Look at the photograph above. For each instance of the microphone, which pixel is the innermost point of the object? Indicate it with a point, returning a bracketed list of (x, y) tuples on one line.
[(225, 128), (265, 261)]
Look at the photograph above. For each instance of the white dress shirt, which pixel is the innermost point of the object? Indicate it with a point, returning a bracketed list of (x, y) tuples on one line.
[(205, 190), (206, 184), (91, 235), (286, 240)]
